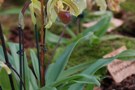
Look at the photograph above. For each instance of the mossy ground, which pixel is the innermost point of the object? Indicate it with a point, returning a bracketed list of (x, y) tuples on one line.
[(85, 52)]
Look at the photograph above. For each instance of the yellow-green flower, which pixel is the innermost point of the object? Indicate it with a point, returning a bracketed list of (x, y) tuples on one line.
[(35, 7), (74, 7)]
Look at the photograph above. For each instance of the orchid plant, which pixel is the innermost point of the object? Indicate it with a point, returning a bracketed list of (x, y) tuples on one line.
[(54, 76)]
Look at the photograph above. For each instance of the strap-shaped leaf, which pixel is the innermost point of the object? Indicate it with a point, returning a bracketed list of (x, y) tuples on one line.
[(4, 80), (74, 69), (2, 55), (35, 63), (79, 78), (14, 49), (99, 64), (100, 27), (57, 68)]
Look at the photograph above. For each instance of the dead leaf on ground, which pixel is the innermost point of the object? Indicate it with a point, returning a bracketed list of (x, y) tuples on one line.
[(114, 24)]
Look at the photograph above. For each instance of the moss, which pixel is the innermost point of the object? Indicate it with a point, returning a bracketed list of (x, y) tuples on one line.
[(85, 52)]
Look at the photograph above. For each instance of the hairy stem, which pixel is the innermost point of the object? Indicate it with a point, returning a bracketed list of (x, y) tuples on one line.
[(57, 45), (42, 45)]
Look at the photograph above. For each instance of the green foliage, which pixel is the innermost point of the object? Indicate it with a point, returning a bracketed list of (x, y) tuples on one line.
[(4, 80), (129, 6), (57, 76)]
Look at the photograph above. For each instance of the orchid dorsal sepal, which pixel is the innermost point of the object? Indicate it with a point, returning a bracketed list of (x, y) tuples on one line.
[(35, 8)]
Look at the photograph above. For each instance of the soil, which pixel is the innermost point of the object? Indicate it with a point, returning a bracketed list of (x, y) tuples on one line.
[(28, 37), (127, 84)]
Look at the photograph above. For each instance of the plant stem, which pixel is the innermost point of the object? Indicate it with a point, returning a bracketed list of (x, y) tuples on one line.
[(37, 46), (42, 45), (79, 18), (57, 45), (79, 25), (6, 56)]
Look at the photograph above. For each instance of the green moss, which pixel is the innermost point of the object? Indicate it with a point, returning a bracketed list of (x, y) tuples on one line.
[(85, 52), (129, 5)]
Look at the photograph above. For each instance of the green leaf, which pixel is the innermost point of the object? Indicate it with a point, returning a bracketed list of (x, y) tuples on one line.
[(57, 68), (16, 82), (67, 80), (91, 70), (76, 87), (33, 81), (79, 78), (101, 27), (11, 11), (27, 73), (2, 58), (75, 69), (70, 32), (4, 80), (14, 49), (88, 79), (125, 55), (99, 64), (90, 87), (48, 88), (2, 55), (35, 63)]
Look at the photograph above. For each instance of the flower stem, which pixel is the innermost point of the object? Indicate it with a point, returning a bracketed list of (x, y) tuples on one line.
[(42, 45)]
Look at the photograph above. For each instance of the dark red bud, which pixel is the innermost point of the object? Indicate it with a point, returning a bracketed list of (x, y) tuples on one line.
[(64, 16)]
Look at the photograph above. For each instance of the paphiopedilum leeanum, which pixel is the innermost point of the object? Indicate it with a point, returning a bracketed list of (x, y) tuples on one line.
[(57, 8), (64, 9)]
